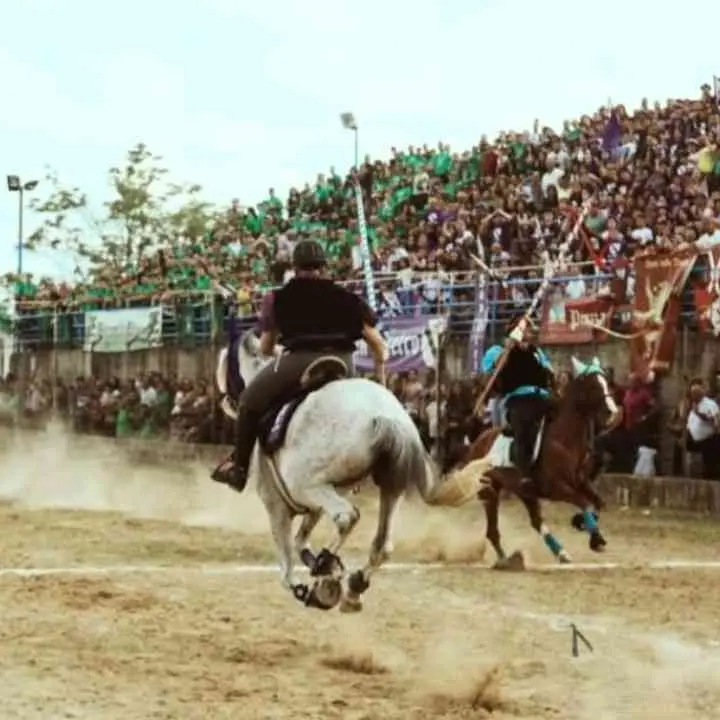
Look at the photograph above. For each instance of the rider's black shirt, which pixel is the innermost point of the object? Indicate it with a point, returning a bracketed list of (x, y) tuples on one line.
[(315, 314), (522, 368)]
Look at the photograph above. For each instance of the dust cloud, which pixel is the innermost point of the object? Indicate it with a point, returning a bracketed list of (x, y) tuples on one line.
[(58, 470), (55, 469), (664, 675)]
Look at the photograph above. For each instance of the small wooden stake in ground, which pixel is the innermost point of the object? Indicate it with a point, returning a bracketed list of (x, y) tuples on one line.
[(577, 635)]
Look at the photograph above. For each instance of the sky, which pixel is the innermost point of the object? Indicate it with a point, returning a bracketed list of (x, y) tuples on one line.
[(241, 96)]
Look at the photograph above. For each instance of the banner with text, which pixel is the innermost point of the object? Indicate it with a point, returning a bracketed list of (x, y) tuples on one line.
[(114, 331), (659, 280), (570, 322), (412, 344)]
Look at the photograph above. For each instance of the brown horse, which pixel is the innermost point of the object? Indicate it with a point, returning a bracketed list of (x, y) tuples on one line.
[(560, 469)]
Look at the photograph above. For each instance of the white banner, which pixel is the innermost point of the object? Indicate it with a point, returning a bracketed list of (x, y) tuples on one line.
[(114, 331)]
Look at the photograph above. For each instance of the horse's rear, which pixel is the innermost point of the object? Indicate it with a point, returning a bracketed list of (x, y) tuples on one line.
[(371, 435)]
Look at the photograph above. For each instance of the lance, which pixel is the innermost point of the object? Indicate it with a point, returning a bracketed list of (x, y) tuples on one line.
[(517, 333)]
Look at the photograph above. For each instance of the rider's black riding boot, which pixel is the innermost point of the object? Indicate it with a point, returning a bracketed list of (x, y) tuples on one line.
[(225, 471), (233, 471), (246, 430)]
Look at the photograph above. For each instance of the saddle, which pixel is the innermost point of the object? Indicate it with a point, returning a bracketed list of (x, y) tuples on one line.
[(274, 423)]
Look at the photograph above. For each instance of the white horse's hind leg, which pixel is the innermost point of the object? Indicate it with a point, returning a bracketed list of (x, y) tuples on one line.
[(341, 511), (380, 552), (281, 528)]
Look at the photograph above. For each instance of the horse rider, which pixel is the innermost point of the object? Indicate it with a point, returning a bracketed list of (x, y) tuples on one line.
[(525, 385), (311, 317)]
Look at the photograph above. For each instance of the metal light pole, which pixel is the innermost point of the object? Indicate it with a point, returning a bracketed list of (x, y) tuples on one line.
[(14, 184), (349, 123)]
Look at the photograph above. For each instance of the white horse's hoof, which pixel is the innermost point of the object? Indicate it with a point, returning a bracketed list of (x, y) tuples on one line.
[(351, 605), (327, 593), (564, 558)]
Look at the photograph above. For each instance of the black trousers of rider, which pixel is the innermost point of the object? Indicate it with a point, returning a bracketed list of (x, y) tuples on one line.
[(274, 384), (524, 414)]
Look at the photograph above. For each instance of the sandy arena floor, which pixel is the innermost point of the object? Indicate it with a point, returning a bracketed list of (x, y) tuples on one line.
[(157, 621)]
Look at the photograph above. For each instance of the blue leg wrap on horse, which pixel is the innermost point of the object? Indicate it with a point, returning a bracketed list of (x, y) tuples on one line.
[(553, 543), (590, 522)]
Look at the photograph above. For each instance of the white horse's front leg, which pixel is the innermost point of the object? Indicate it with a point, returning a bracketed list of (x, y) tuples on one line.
[(281, 528), (324, 498), (302, 546), (280, 517)]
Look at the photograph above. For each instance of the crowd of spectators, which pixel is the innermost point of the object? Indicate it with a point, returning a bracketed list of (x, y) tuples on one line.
[(652, 177), (153, 407), (648, 179)]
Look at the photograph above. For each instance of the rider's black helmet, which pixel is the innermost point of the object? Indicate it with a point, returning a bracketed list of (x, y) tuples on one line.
[(308, 255)]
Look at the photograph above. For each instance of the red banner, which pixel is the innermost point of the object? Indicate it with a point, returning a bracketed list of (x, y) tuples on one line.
[(569, 322), (706, 291), (659, 280)]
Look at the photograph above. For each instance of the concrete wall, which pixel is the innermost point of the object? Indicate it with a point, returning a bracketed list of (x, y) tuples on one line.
[(695, 355), (170, 361)]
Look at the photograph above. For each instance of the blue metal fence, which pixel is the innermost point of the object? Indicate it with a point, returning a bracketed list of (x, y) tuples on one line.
[(195, 321)]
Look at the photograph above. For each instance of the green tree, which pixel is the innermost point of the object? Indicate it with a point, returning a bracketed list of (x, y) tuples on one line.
[(144, 213)]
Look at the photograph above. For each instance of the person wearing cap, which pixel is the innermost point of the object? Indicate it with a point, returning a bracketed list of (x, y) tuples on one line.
[(524, 383), (312, 318)]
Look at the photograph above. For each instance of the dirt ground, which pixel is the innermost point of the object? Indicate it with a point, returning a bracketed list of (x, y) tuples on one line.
[(157, 620)]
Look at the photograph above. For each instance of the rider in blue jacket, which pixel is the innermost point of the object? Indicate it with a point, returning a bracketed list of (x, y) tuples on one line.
[(524, 383)]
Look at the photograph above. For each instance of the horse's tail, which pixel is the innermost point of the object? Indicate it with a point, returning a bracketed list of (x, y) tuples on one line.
[(400, 457)]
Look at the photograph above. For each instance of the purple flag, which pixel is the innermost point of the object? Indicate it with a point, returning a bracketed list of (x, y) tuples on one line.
[(612, 134)]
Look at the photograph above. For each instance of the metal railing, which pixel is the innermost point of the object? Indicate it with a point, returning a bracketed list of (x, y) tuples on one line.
[(199, 317)]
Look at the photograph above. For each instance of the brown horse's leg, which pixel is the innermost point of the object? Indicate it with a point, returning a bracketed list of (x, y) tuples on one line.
[(492, 532), (590, 522), (532, 505), (586, 500), (592, 496)]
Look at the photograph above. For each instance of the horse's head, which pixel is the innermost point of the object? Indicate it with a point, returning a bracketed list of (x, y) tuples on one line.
[(251, 358), (590, 392)]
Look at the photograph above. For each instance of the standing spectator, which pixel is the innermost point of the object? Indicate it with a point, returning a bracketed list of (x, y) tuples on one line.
[(639, 407), (677, 427), (703, 421)]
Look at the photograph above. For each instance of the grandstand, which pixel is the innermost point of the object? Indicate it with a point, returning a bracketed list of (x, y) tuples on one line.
[(652, 174)]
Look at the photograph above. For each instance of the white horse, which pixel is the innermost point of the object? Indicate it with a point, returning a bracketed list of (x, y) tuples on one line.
[(347, 430)]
